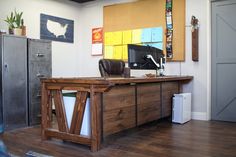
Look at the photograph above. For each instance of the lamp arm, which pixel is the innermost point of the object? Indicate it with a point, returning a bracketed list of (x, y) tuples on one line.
[(150, 57)]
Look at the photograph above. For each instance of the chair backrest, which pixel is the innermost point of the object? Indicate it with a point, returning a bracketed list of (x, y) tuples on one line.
[(111, 67)]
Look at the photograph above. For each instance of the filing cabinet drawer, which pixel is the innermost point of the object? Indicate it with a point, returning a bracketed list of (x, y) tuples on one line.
[(39, 50), (35, 113), (37, 70), (39, 65)]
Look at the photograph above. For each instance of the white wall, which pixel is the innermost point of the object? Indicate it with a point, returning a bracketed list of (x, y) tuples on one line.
[(65, 56), (200, 70), (76, 60)]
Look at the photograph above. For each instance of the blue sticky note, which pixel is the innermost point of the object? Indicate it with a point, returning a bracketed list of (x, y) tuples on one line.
[(157, 34), (157, 45), (146, 35)]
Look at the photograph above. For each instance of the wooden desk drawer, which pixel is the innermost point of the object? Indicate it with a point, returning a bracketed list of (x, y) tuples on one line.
[(148, 112), (118, 109), (118, 119), (118, 97), (148, 103), (148, 93)]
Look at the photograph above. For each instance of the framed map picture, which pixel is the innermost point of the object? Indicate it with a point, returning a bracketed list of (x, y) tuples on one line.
[(56, 28)]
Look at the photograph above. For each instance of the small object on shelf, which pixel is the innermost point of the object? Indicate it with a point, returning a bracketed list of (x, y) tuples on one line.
[(195, 28), (150, 75), (126, 72), (23, 27)]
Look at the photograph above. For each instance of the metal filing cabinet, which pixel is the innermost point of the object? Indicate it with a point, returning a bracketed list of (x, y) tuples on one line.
[(39, 65), (13, 83)]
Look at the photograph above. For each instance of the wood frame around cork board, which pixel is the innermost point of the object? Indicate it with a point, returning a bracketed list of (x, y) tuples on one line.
[(145, 14)]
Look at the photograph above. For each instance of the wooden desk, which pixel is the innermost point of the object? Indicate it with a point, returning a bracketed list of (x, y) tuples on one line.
[(116, 104)]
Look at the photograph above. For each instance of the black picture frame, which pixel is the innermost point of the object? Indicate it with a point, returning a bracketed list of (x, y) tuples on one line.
[(56, 28)]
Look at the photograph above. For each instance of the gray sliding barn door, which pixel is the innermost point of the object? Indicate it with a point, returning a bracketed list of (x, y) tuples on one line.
[(223, 60)]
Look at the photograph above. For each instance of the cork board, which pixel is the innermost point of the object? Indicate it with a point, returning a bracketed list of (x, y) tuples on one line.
[(145, 14)]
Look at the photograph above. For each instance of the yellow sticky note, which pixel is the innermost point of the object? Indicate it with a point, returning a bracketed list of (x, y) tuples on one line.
[(117, 38), (136, 36), (118, 51), (108, 38), (108, 52), (125, 53), (127, 37)]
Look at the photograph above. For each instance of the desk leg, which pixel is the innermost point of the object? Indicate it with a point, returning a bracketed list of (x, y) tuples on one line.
[(46, 106), (95, 101)]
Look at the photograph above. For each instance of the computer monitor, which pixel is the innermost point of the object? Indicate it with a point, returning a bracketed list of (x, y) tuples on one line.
[(137, 56)]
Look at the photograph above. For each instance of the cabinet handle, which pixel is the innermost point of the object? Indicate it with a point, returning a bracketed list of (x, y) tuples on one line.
[(38, 95), (40, 55)]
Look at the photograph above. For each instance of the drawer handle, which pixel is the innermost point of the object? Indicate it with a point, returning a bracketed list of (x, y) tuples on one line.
[(40, 55), (39, 95), (40, 75), (120, 112), (39, 115)]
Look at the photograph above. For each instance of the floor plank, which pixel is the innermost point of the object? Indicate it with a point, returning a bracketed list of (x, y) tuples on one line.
[(162, 138)]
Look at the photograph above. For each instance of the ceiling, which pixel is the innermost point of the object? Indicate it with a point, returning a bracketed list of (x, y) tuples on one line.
[(82, 1)]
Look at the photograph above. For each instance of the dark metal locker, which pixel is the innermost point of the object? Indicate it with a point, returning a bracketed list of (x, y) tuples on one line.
[(39, 65), (14, 81)]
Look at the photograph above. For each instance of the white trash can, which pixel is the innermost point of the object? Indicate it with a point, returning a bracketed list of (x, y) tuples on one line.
[(181, 110)]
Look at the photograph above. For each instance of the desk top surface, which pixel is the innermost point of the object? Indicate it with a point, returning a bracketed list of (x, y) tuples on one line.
[(115, 80)]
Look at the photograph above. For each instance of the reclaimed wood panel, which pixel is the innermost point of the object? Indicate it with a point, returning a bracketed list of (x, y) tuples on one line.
[(102, 83), (148, 103), (118, 120), (119, 109), (60, 111), (118, 97), (168, 91)]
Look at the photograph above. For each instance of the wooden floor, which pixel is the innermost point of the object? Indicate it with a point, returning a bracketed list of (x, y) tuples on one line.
[(158, 139)]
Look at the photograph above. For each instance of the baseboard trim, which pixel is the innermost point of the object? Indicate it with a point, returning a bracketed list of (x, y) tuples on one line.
[(199, 115)]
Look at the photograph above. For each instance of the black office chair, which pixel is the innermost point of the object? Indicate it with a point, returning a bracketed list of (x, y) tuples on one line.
[(111, 67)]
